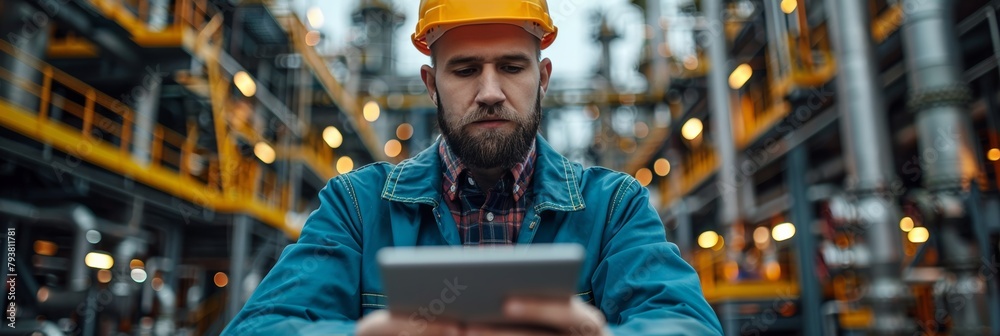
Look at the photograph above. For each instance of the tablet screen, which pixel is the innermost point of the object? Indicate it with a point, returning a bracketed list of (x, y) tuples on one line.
[(470, 284)]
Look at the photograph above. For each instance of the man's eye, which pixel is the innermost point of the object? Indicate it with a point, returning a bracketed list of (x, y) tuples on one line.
[(511, 69), (465, 72)]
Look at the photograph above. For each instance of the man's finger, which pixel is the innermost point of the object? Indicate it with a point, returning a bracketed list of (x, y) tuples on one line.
[(480, 330), (559, 314), (382, 323)]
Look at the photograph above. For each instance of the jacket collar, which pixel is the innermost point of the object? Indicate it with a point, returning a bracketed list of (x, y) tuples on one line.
[(418, 179)]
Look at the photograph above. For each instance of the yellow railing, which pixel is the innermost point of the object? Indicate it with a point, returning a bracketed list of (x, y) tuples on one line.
[(697, 167), (706, 262), (98, 129), (133, 15)]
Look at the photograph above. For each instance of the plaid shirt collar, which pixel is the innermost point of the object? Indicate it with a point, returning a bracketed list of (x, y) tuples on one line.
[(521, 172)]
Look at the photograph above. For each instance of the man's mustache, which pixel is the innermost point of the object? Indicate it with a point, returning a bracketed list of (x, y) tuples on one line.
[(495, 112)]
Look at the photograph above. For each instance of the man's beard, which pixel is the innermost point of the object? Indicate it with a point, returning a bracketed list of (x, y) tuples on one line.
[(491, 148)]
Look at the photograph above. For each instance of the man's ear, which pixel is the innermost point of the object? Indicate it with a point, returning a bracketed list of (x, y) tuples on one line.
[(427, 75), (544, 73)]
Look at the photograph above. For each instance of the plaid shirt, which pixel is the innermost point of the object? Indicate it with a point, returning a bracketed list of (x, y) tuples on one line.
[(491, 217)]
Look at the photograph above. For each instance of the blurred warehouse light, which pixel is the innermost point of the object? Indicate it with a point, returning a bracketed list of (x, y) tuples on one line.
[(371, 111), (661, 167), (641, 130), (761, 235), (245, 83), (313, 37), (46, 248), (315, 17), (788, 6), (136, 263), (906, 224), (264, 152), (918, 235), (139, 275), (708, 239), (104, 276), (332, 137), (99, 260), (783, 231), (740, 76), (772, 270), (993, 154), (644, 176), (43, 294), (345, 164), (692, 128), (220, 279), (404, 131), (393, 148), (691, 62), (93, 236), (157, 283)]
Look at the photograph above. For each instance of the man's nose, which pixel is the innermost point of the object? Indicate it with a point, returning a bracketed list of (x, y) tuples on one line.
[(490, 91)]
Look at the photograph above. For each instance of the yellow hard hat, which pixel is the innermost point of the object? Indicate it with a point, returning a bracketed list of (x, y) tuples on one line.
[(438, 16)]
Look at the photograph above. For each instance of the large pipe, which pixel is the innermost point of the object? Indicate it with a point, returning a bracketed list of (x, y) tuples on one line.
[(720, 104), (870, 175), (939, 97), (82, 219)]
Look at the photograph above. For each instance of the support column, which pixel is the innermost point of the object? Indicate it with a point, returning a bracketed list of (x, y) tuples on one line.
[(870, 174), (147, 105), (159, 11), (720, 105), (26, 28), (238, 264), (805, 241), (939, 97)]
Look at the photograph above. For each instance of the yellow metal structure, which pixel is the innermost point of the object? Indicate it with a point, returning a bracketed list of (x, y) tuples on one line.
[(171, 152)]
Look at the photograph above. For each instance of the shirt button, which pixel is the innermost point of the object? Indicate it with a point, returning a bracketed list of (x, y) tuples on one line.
[(471, 181), (452, 189), (489, 216), (517, 187)]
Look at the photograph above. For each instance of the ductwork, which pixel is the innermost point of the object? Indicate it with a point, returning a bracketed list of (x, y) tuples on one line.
[(870, 175)]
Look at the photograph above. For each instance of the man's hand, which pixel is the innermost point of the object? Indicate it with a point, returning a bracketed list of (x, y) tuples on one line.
[(554, 317), (382, 323)]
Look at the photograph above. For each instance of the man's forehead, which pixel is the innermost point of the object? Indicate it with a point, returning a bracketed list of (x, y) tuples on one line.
[(486, 41)]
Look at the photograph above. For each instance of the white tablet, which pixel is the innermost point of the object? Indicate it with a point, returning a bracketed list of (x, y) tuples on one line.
[(470, 284)]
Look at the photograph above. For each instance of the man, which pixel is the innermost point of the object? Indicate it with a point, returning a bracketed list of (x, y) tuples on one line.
[(490, 179)]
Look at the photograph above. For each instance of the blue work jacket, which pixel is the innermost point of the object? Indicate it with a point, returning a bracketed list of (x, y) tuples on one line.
[(329, 279)]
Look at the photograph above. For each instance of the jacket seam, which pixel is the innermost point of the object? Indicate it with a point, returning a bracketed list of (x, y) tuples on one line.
[(569, 184), (619, 196), (354, 198), (391, 181)]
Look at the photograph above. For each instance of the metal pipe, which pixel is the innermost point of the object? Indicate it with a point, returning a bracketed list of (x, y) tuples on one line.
[(720, 104), (939, 97), (865, 133), (238, 264), (81, 217)]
